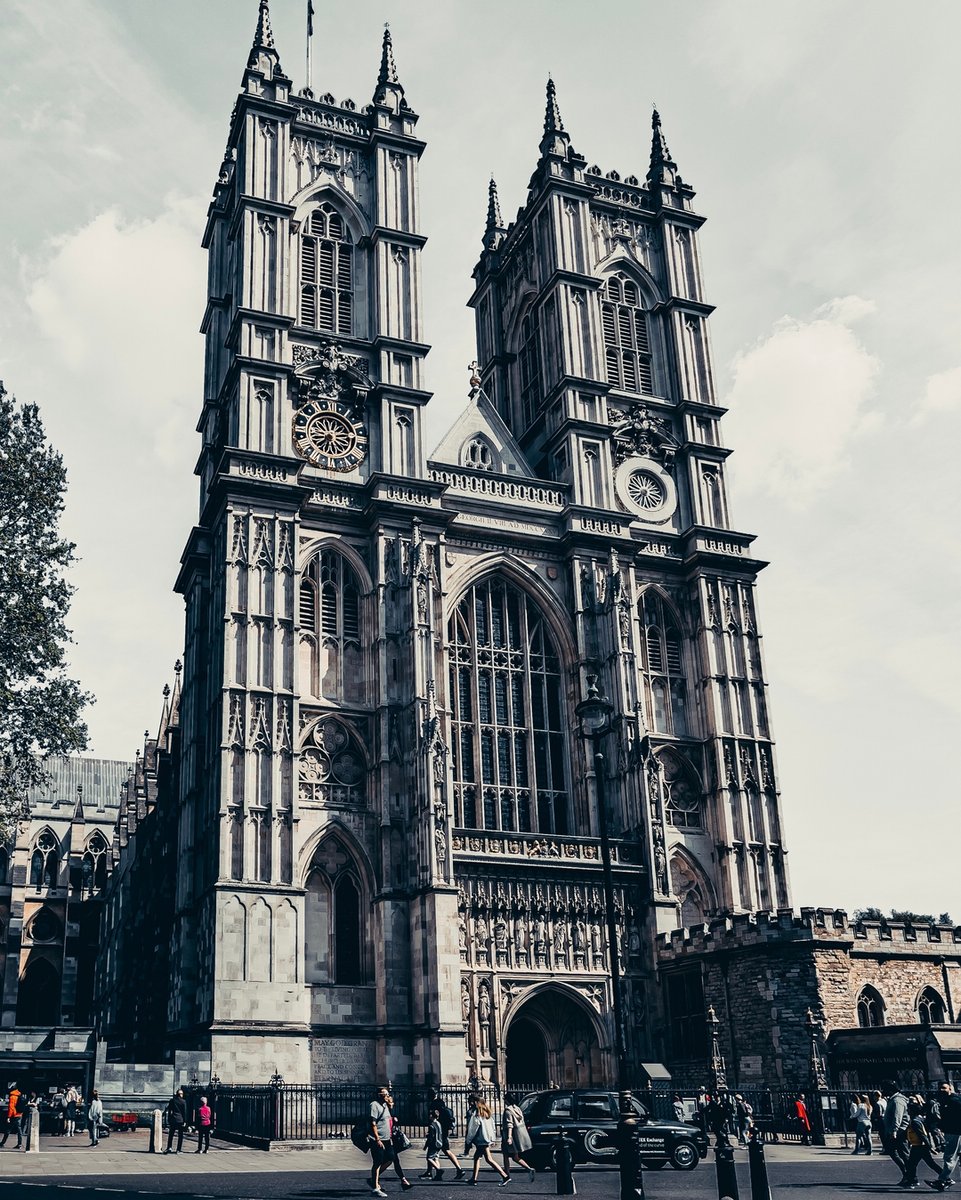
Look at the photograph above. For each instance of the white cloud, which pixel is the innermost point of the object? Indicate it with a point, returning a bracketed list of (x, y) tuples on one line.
[(798, 399), (119, 303), (942, 394)]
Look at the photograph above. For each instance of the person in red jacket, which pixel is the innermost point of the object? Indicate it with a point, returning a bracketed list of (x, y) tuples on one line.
[(801, 1115), (14, 1113)]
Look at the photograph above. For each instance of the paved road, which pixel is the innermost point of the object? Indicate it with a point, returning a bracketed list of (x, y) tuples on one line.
[(122, 1167)]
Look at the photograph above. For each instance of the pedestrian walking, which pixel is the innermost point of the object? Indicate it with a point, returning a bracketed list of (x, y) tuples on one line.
[(480, 1137), (862, 1125), (176, 1120), (918, 1140), (378, 1139), (399, 1142), (439, 1111), (73, 1103), (433, 1143), (204, 1122), (515, 1140), (744, 1118), (15, 1106), (895, 1124), (803, 1120), (950, 1102), (94, 1117)]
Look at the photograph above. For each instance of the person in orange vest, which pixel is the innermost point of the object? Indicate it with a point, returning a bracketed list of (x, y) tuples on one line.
[(14, 1113)]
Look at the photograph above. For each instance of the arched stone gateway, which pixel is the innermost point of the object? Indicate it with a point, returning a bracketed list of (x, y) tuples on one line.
[(560, 1040)]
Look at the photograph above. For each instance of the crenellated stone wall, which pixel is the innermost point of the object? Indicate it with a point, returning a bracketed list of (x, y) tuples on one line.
[(761, 972)]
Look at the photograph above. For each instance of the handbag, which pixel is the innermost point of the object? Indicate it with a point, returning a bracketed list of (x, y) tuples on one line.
[(400, 1141)]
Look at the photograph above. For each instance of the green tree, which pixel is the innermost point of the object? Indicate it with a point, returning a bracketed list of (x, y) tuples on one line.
[(40, 706)]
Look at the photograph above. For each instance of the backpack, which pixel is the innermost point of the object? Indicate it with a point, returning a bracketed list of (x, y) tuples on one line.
[(21, 1104), (360, 1134), (447, 1121)]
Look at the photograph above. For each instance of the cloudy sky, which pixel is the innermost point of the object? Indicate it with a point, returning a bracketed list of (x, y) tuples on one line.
[(821, 138)]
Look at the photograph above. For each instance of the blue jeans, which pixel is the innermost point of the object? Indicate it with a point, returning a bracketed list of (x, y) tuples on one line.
[(952, 1151)]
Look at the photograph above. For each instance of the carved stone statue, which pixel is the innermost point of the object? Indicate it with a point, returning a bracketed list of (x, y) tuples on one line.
[(501, 935), (465, 1000), (484, 1016)]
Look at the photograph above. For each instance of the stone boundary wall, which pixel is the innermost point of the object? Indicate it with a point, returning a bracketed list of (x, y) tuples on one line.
[(142, 1087)]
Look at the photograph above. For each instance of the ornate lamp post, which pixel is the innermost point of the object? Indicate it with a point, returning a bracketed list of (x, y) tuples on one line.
[(818, 1074), (718, 1066), (594, 714)]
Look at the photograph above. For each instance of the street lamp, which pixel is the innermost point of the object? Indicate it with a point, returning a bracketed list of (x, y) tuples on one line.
[(819, 1081), (594, 713)]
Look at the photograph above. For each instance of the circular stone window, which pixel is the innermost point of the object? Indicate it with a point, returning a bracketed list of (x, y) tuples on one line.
[(45, 927), (645, 488)]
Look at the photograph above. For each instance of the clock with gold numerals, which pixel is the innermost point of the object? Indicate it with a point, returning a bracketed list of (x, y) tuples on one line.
[(329, 435)]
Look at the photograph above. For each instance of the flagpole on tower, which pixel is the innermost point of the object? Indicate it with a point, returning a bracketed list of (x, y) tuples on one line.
[(310, 34)]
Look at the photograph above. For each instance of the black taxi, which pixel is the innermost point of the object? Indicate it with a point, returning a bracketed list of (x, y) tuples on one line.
[(589, 1119)]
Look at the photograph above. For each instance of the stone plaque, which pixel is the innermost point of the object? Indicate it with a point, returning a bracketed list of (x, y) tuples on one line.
[(341, 1060)]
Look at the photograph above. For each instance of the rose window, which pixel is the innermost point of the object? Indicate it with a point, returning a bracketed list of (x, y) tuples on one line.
[(645, 490)]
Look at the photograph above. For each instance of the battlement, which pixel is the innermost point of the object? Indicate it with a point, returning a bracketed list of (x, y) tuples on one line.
[(807, 925)]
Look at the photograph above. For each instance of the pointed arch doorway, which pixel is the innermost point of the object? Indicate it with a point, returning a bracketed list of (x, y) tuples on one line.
[(558, 1038)]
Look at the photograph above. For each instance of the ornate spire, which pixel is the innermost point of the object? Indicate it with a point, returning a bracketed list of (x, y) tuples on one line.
[(495, 223), (264, 36), (263, 47), (388, 81), (555, 140), (663, 168), (552, 117), (388, 68)]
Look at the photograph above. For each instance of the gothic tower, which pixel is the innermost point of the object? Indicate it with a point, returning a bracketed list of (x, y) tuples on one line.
[(313, 840)]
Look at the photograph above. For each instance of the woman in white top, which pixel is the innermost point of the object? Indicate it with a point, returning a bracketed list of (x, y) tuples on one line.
[(480, 1135)]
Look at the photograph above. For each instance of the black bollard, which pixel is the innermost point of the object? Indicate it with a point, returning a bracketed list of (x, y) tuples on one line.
[(565, 1164), (726, 1173), (760, 1188)]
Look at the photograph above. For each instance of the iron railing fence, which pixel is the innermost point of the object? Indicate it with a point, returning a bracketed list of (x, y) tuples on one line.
[(261, 1113)]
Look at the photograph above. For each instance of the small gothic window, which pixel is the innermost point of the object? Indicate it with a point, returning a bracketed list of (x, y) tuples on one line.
[(931, 1010), (870, 1009), (4, 866), (664, 666), (326, 272), (477, 454), (627, 341)]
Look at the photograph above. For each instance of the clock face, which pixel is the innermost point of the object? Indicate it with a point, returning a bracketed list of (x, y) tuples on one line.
[(328, 435)]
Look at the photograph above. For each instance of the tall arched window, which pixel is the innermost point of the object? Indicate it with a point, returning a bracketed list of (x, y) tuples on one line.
[(334, 918), (509, 756), (664, 665), (870, 1008), (931, 1009), (329, 612), (94, 864), (326, 272), (45, 861), (627, 339), (529, 358)]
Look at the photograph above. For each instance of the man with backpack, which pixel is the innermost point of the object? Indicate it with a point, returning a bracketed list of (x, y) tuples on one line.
[(16, 1105)]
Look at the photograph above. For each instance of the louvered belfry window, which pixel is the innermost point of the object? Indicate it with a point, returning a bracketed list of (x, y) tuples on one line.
[(327, 273), (627, 339)]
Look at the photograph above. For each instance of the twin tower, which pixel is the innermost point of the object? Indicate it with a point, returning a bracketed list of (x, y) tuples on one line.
[(387, 830)]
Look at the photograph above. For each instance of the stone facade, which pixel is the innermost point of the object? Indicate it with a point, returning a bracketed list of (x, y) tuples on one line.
[(368, 840), (761, 974)]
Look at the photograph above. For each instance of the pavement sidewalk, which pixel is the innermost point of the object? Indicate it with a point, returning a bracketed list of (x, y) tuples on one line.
[(128, 1154)]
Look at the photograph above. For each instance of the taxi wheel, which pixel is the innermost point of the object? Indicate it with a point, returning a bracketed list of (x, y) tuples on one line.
[(684, 1156)]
